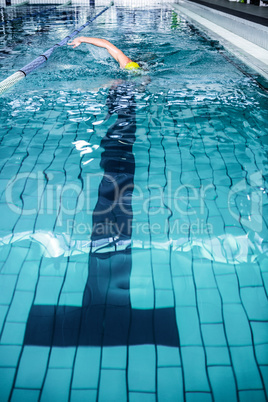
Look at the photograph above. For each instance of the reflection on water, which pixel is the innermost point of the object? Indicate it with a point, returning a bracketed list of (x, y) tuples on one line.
[(226, 248)]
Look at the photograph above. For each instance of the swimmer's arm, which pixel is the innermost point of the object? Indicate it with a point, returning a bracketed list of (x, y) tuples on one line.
[(116, 53)]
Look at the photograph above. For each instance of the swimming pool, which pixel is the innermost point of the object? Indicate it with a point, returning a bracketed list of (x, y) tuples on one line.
[(133, 234)]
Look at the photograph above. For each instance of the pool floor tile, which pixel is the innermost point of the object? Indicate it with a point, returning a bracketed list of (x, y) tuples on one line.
[(3, 313), (86, 367), (220, 268), (262, 353), (245, 367), (141, 269), (7, 283), (228, 288), (181, 265), (56, 268), (255, 302), (6, 251), (142, 397), (249, 274), (264, 372), (141, 292), (237, 325), (160, 257), (32, 367), (13, 333), (254, 395), (114, 357), (141, 368), (260, 332), (57, 383), (198, 397), (264, 264), (213, 334), (169, 384), (112, 386), (209, 305), (83, 395), (162, 278), (168, 356), (48, 289), (223, 390), (25, 395), (9, 355), (71, 299), (164, 298), (188, 326), (76, 277), (14, 260), (195, 375), (61, 357), (6, 380), (184, 291), (20, 306), (203, 275), (217, 355), (28, 276)]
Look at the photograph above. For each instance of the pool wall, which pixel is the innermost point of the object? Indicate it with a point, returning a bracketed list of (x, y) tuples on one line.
[(247, 40)]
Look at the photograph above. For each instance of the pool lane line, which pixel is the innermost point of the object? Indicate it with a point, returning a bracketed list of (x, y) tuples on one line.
[(28, 68), (32, 15), (106, 316)]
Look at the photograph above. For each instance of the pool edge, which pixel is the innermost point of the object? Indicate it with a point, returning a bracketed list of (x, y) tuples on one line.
[(254, 56)]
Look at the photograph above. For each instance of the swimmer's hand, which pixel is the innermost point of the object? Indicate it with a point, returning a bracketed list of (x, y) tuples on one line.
[(76, 42)]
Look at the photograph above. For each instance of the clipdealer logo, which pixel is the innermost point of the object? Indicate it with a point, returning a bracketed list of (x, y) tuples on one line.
[(65, 201)]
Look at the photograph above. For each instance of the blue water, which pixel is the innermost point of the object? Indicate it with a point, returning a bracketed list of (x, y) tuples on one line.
[(133, 233)]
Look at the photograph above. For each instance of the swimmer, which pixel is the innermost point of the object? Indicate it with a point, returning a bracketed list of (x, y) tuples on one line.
[(124, 61)]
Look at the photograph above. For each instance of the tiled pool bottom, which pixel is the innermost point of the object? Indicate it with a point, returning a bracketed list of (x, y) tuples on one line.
[(168, 315), (169, 302), (220, 315)]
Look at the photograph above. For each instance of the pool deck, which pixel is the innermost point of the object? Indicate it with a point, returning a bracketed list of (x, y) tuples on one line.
[(243, 38), (249, 12)]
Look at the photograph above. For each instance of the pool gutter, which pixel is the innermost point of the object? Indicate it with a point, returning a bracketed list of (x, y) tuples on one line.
[(246, 40)]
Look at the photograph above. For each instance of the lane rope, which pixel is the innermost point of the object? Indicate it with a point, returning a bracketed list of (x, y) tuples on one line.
[(28, 68)]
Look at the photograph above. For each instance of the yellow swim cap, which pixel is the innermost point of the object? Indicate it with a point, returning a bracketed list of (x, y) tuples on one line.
[(131, 66)]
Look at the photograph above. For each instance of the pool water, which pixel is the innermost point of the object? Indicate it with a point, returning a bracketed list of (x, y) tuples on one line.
[(133, 234)]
